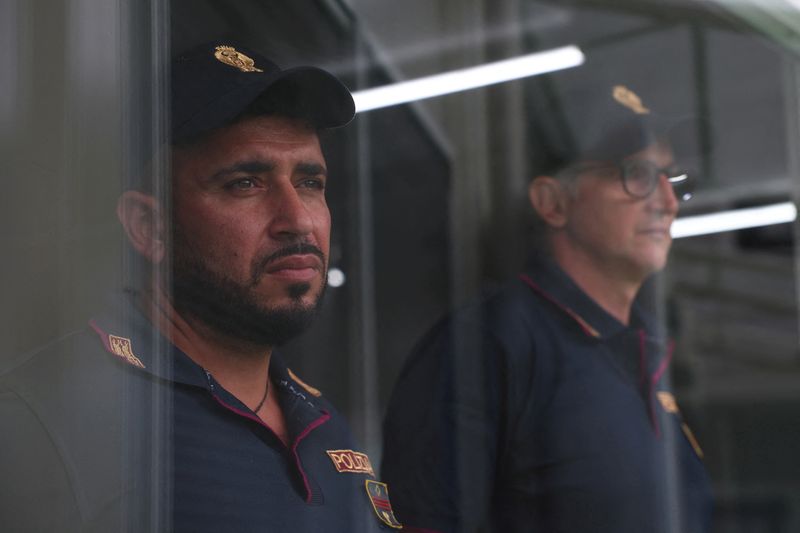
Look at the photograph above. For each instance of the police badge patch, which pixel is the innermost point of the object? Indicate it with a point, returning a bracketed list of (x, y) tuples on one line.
[(351, 461), (379, 496)]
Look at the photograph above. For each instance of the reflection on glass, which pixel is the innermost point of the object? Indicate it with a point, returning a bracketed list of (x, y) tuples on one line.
[(432, 208)]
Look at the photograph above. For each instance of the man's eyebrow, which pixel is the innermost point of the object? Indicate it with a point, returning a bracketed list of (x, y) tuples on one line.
[(311, 169), (253, 167)]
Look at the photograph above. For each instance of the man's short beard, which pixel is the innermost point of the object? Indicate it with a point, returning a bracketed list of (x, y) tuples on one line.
[(234, 309)]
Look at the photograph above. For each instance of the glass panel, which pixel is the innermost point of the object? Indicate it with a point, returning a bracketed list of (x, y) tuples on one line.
[(509, 332)]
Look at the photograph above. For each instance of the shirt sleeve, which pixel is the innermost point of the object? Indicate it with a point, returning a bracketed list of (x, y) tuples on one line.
[(35, 494)]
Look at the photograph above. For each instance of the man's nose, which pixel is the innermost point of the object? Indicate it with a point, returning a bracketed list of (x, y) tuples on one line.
[(663, 198), (291, 214)]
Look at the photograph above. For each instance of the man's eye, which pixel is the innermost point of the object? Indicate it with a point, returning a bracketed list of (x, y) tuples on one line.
[(313, 183), (242, 184)]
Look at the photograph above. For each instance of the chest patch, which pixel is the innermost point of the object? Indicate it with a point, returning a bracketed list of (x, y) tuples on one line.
[(350, 461), (379, 496)]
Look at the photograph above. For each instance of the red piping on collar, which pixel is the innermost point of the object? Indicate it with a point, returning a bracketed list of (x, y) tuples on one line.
[(239, 412), (654, 379), (642, 360), (311, 427), (646, 386), (585, 326), (664, 362), (102, 334)]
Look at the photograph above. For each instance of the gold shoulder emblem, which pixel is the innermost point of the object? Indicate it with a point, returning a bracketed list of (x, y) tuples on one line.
[(668, 401), (671, 406), (121, 347), (629, 99), (230, 56), (311, 390)]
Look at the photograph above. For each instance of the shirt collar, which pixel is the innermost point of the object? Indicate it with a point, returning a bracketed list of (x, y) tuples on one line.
[(299, 403), (127, 334), (545, 278)]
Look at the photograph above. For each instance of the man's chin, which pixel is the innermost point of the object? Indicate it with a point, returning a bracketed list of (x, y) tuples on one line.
[(246, 315), (307, 294), (652, 265), (300, 291), (272, 326)]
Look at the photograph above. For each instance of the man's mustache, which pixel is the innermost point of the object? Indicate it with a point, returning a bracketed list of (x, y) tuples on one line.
[(301, 248)]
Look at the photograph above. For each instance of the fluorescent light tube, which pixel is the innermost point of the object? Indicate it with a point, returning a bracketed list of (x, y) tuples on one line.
[(469, 78), (751, 217)]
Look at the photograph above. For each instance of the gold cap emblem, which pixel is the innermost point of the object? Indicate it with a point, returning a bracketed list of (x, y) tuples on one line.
[(629, 99), (230, 56)]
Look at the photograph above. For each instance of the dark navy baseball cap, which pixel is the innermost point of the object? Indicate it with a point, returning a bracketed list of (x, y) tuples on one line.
[(612, 121), (214, 83)]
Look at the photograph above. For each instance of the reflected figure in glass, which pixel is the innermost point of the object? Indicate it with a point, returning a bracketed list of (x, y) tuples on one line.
[(546, 406)]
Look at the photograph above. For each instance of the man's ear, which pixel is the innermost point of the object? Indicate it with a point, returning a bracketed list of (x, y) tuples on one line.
[(550, 200), (142, 220)]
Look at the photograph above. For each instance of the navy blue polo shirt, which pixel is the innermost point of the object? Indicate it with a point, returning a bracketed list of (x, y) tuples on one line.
[(117, 429), (535, 410)]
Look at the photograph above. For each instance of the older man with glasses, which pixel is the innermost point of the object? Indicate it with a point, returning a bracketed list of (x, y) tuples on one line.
[(546, 407)]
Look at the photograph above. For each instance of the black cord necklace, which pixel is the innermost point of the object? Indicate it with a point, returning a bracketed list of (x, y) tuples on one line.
[(263, 398)]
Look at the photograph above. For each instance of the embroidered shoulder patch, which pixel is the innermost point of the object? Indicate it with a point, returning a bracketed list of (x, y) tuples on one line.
[(379, 496), (121, 347), (692, 440), (671, 406), (311, 390), (668, 401), (351, 461)]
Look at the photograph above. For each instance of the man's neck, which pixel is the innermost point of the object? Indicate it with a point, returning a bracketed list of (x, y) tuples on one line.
[(241, 368), (612, 288)]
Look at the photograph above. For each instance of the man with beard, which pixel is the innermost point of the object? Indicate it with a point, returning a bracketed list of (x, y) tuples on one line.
[(546, 406), (172, 411)]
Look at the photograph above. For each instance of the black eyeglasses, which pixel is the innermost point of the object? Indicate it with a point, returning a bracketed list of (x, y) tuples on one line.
[(640, 177)]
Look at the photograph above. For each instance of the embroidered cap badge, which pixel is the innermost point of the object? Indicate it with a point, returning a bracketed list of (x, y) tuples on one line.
[(629, 99), (230, 56)]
